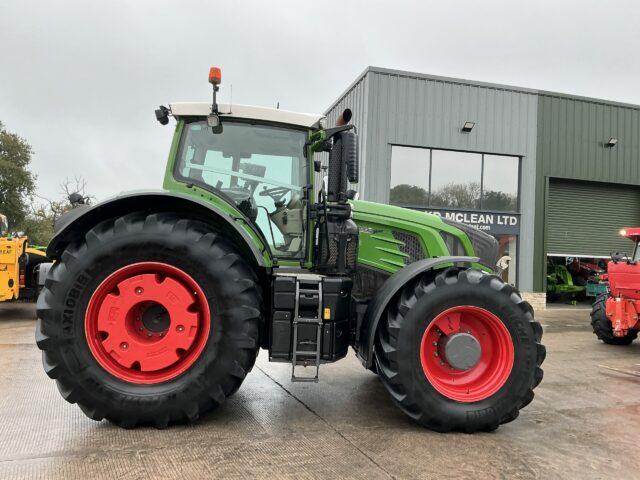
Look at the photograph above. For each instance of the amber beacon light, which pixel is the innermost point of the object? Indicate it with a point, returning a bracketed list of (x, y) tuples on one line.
[(215, 76)]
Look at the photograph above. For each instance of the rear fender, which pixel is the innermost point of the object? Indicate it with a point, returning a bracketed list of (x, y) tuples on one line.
[(377, 306), (81, 219)]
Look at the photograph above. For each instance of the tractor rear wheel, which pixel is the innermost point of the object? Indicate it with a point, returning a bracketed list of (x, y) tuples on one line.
[(602, 325), (460, 350), (149, 319)]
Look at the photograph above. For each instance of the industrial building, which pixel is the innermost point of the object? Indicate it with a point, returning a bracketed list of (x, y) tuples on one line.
[(549, 175)]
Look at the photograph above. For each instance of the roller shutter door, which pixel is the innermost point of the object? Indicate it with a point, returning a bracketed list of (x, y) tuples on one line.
[(584, 218)]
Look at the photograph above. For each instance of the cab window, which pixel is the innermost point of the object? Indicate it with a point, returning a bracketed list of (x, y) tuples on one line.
[(261, 169)]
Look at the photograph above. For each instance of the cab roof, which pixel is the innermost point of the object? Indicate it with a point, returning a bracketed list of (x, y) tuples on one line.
[(249, 112)]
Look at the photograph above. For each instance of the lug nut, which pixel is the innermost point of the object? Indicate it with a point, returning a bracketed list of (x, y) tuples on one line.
[(124, 345), (435, 354), (180, 328), (139, 290)]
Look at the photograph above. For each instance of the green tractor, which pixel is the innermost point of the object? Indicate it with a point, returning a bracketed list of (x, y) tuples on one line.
[(158, 302)]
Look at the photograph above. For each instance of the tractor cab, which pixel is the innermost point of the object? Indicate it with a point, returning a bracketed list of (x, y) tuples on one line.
[(255, 162), (259, 162), (634, 235)]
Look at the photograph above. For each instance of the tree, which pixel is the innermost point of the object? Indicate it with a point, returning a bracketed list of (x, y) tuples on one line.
[(404, 194), (17, 183), (39, 223), (493, 200), (457, 195)]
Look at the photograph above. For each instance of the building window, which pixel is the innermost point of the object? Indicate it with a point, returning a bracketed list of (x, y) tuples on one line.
[(407, 187), (500, 183), (456, 179), (423, 177)]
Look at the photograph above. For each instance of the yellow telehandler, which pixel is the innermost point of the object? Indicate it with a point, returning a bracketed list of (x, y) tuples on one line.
[(19, 265)]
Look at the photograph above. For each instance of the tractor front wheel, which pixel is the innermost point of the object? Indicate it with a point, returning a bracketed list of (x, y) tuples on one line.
[(149, 319), (602, 327), (460, 350)]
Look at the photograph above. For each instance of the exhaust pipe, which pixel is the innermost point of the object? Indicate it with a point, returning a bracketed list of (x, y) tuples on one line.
[(344, 117)]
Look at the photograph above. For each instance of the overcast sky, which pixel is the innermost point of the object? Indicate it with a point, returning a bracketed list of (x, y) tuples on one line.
[(80, 79)]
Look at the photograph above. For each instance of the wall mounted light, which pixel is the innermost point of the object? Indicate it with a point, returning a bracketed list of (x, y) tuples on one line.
[(468, 126), (613, 141)]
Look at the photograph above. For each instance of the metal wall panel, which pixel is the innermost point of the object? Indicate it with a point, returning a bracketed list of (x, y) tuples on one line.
[(428, 111), (572, 132)]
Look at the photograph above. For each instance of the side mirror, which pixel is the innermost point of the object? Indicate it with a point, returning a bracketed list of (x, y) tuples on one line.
[(162, 115), (76, 199)]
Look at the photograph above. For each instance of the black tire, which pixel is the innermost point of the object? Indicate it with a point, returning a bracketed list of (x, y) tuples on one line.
[(231, 291), (398, 350), (602, 326)]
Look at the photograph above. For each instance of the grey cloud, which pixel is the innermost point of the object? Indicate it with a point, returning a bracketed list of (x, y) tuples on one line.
[(80, 79)]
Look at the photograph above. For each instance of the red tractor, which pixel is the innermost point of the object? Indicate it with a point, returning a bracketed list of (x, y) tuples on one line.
[(614, 316)]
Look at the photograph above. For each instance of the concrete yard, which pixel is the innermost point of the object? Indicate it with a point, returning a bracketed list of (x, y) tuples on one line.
[(583, 423)]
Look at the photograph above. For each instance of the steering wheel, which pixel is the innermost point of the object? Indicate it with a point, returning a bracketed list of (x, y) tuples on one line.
[(276, 193)]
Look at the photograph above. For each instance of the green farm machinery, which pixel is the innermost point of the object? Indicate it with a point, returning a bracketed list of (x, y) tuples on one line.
[(158, 302)]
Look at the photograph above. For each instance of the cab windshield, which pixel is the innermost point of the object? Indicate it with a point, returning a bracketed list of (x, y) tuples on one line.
[(261, 169)]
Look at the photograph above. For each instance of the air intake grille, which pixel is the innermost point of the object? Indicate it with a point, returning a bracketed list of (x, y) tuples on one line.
[(410, 246)]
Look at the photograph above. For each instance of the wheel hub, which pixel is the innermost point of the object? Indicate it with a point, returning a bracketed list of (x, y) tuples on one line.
[(155, 318), (462, 351), (466, 353), (147, 322)]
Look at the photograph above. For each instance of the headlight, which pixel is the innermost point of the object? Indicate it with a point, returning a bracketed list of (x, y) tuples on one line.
[(484, 245), (453, 243)]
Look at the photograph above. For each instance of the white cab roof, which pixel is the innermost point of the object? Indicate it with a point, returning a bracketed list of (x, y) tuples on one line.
[(202, 109)]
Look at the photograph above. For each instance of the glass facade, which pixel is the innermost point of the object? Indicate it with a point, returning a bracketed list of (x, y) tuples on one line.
[(407, 188), (424, 177), (500, 183), (456, 179)]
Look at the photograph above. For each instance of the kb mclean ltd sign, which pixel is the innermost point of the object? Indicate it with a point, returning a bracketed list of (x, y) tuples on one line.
[(490, 222)]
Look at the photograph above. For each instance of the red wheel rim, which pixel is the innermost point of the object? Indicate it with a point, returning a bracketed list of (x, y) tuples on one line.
[(147, 323), (492, 369)]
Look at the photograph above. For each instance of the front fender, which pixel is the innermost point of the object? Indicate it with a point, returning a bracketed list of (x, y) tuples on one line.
[(385, 294), (81, 219)]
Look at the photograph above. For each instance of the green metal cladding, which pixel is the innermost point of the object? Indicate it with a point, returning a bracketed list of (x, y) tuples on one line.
[(572, 133)]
